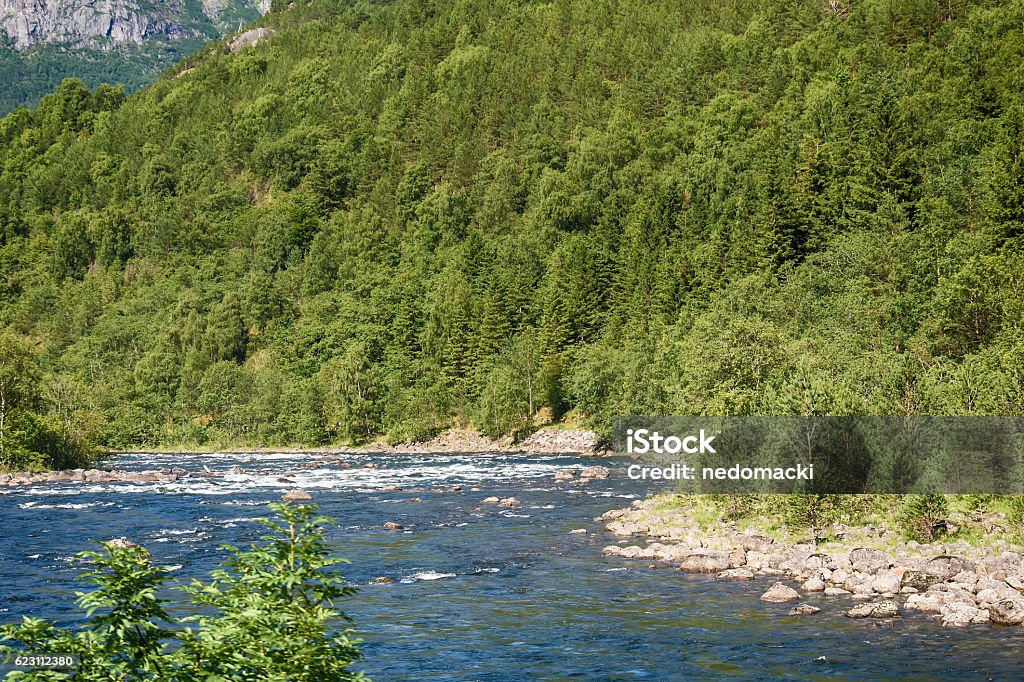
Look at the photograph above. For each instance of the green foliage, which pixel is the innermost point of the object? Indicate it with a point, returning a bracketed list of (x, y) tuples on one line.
[(923, 516), (391, 218), (42, 421), (268, 614)]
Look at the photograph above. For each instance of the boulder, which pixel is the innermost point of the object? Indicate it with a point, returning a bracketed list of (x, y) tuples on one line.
[(886, 608), (595, 472), (735, 574), (491, 500), (296, 496), (708, 562), (886, 582), (391, 525), (578, 531), (1007, 612), (959, 613), (945, 567), (508, 502), (120, 543), (778, 593), (803, 610), (813, 584), (920, 580), (382, 580), (868, 560)]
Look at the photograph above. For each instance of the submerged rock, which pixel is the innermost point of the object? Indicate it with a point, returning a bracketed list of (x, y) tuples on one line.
[(392, 525), (803, 610), (296, 496)]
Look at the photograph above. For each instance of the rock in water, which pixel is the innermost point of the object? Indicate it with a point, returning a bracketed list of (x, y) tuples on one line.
[(1007, 612), (120, 543), (960, 613), (491, 500), (877, 609), (595, 472), (735, 574), (778, 593), (803, 610), (391, 525), (296, 496)]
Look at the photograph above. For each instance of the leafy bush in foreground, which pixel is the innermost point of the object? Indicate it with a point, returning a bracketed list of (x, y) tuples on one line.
[(267, 615)]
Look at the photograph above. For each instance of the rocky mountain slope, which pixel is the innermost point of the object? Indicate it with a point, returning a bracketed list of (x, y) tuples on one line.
[(107, 24), (119, 42)]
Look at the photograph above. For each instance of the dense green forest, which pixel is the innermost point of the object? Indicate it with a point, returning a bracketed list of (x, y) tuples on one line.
[(28, 76), (390, 218)]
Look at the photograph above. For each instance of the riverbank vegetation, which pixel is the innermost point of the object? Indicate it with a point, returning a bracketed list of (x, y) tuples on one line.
[(268, 614), (41, 425), (390, 218), (973, 519)]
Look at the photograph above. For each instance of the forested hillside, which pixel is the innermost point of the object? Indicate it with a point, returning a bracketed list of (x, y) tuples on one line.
[(386, 219)]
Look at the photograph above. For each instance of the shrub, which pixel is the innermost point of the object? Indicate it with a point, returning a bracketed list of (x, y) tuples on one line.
[(267, 614), (924, 516)]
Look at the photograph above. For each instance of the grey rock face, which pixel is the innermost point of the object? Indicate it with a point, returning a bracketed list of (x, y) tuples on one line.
[(106, 24)]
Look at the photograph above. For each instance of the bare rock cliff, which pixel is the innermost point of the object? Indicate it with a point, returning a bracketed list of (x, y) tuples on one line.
[(109, 23)]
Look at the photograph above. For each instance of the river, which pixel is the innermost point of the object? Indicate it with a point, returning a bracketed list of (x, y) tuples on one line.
[(480, 592)]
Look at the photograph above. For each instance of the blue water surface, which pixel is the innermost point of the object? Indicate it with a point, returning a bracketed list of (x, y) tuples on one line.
[(480, 592)]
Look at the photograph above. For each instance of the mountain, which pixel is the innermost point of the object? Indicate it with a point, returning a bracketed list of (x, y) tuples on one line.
[(386, 219), (116, 41)]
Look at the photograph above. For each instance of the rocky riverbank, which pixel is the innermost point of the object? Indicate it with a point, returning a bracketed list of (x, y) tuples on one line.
[(961, 584), (543, 441)]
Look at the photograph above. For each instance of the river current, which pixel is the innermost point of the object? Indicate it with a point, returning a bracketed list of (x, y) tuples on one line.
[(480, 592)]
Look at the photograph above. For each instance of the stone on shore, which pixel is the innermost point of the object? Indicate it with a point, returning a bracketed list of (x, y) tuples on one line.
[(960, 613), (296, 496), (736, 574), (709, 562), (779, 593), (813, 584), (886, 608), (1007, 612)]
